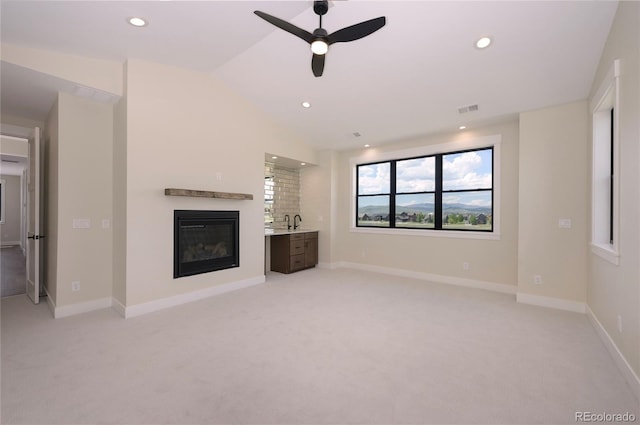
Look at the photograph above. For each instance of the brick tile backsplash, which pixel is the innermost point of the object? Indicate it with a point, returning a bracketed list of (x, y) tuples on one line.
[(286, 194)]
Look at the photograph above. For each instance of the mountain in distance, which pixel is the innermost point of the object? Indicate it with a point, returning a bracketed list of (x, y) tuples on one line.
[(426, 208)]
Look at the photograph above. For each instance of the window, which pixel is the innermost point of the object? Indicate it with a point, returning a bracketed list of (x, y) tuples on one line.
[(443, 191), (605, 225)]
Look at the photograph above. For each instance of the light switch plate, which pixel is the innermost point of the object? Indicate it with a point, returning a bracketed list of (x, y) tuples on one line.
[(564, 223), (81, 223)]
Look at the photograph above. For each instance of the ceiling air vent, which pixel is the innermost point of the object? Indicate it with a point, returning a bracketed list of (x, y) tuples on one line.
[(468, 108)]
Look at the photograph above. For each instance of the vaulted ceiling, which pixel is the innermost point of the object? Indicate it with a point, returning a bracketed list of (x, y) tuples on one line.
[(408, 79)]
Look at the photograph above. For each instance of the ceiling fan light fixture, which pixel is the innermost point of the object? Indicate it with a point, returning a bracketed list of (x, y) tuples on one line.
[(319, 47)]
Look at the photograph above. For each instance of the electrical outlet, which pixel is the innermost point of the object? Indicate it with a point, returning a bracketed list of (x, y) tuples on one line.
[(465, 266), (364, 254), (537, 279), (75, 286)]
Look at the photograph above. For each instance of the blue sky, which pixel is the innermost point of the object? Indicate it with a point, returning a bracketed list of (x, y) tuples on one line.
[(468, 170)]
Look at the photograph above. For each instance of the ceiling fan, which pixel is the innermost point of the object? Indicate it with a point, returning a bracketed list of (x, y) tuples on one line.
[(320, 40)]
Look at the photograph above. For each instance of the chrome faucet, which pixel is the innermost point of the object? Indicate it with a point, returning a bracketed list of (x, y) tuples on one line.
[(295, 225), (288, 220)]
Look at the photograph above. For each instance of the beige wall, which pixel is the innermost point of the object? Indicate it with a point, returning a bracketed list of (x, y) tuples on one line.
[(10, 229), (615, 290), (83, 173), (14, 146), (492, 261), (119, 222), (184, 128), (20, 121), (99, 74), (51, 143), (553, 185), (318, 202)]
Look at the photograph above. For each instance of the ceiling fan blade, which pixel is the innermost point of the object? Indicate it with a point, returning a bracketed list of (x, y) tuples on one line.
[(357, 31), (317, 64), (298, 32)]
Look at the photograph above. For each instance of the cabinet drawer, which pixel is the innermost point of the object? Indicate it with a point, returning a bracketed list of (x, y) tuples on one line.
[(311, 235), (296, 247), (296, 262), (296, 237)]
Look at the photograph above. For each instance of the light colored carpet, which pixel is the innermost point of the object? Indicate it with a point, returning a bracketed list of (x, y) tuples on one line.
[(315, 347), (13, 271)]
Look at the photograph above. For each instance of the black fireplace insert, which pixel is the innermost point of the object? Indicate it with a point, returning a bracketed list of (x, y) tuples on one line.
[(205, 241)]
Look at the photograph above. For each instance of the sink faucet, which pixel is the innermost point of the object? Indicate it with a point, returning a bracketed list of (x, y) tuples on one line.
[(288, 220), (295, 225)]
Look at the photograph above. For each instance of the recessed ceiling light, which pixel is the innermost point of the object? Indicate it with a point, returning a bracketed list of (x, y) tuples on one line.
[(137, 22), (303, 163), (274, 157), (367, 145), (462, 127), (306, 105), (483, 42)]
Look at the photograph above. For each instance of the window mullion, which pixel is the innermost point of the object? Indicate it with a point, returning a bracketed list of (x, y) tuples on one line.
[(392, 196), (437, 211)]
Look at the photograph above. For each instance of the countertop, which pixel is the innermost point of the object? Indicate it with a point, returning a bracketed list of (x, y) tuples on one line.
[(269, 231)]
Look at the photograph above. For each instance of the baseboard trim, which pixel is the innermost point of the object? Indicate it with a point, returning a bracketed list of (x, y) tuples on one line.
[(457, 281), (328, 266), (152, 306), (550, 302), (10, 243), (50, 303), (627, 371), (84, 307), (118, 307)]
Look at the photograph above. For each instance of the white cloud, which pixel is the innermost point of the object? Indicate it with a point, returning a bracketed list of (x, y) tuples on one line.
[(416, 175), (374, 178), (462, 172)]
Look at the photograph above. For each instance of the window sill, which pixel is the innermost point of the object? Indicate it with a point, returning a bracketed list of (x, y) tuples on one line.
[(606, 253), (428, 233)]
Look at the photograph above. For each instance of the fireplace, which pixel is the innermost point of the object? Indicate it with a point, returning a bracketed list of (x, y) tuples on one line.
[(205, 241)]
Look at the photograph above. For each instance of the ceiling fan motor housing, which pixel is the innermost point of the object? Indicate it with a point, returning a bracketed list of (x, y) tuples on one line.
[(320, 40), (321, 7)]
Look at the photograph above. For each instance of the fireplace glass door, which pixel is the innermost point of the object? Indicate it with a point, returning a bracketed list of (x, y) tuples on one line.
[(205, 241)]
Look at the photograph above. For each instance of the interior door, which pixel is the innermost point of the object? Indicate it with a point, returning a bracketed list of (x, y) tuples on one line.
[(34, 238)]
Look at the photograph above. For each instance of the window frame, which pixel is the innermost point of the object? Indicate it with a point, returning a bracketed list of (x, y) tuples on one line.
[(605, 198), (3, 209), (371, 157)]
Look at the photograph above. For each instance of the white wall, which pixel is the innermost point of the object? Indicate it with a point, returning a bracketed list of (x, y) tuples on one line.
[(318, 202), (119, 222), (83, 179), (553, 185), (51, 203), (615, 290), (183, 128), (10, 229), (95, 73), (491, 261)]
